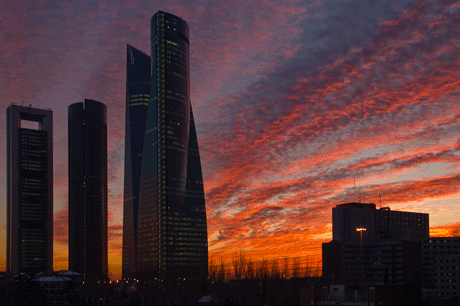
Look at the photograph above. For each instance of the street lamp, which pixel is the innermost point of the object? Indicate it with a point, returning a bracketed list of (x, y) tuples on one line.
[(361, 230)]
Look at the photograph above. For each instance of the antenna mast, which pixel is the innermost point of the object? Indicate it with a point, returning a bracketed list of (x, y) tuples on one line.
[(354, 188)]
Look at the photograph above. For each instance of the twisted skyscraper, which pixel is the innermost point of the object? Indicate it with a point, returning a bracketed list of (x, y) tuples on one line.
[(164, 230)]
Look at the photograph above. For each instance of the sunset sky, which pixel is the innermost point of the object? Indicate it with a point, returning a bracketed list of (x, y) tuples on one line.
[(299, 106)]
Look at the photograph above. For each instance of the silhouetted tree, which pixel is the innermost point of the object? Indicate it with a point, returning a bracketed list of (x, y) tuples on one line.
[(286, 268), (239, 265), (296, 267), (222, 274), (250, 269), (274, 269)]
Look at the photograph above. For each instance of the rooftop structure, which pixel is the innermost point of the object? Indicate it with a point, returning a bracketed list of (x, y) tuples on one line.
[(29, 190)]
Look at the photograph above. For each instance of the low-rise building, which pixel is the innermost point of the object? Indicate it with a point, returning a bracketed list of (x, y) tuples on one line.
[(440, 270), (373, 247), (379, 263), (380, 224)]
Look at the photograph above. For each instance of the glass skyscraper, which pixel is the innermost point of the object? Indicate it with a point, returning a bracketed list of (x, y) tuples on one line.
[(137, 100), (29, 190), (169, 238), (87, 127)]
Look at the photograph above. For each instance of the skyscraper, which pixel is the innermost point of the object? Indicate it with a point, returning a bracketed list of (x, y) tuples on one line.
[(171, 214), (29, 190), (137, 100), (87, 123)]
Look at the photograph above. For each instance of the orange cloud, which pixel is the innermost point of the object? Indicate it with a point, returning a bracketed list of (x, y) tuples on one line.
[(449, 230)]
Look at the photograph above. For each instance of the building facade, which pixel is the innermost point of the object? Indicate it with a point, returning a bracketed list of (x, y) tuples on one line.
[(171, 235), (396, 250), (441, 266), (346, 218), (448, 276), (388, 252), (393, 262), (87, 130), (380, 224), (29, 190), (137, 100)]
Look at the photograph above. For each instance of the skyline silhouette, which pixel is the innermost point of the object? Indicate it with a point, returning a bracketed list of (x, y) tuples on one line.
[(298, 107)]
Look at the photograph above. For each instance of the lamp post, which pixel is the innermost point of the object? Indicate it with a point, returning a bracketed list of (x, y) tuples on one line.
[(361, 230)]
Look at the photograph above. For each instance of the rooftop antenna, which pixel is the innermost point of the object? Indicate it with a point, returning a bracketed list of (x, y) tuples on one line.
[(380, 199), (22, 103), (354, 188)]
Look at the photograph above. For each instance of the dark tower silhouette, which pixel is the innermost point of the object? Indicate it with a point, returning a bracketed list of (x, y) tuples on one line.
[(171, 234), (137, 100), (29, 190), (88, 190)]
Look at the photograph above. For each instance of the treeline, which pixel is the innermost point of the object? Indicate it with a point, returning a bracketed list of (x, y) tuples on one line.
[(241, 267)]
